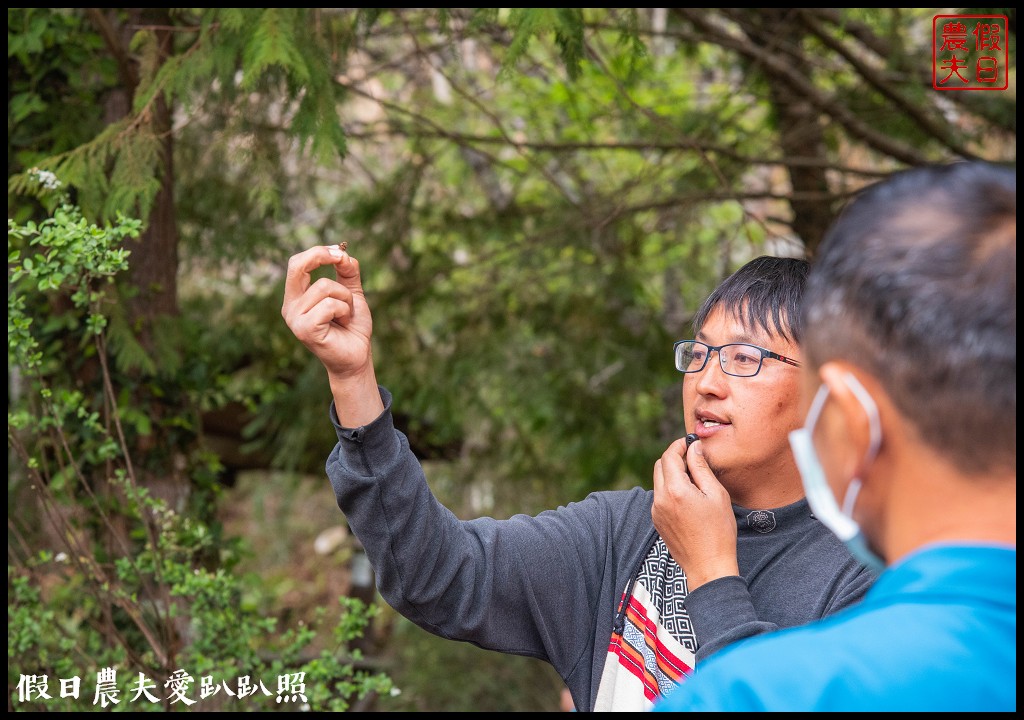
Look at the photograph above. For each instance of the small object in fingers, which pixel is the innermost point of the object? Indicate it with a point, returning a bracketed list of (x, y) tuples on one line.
[(343, 246), (690, 438)]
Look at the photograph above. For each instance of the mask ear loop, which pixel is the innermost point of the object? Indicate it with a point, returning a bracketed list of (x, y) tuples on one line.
[(875, 442), (874, 419), (816, 406)]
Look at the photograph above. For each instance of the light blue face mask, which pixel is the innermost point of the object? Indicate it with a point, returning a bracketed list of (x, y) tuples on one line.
[(819, 494)]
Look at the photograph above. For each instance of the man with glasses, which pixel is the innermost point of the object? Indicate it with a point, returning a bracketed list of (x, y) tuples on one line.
[(909, 455), (624, 592)]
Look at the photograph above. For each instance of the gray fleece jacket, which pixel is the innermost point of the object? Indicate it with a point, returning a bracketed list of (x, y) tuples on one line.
[(549, 586)]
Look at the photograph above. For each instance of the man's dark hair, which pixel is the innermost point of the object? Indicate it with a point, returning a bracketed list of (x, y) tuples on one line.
[(766, 293), (917, 283)]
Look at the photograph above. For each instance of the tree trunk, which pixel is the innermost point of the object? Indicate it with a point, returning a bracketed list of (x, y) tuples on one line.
[(152, 272), (801, 134)]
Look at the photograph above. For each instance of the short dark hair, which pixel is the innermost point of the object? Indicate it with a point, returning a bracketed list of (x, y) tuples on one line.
[(765, 293), (917, 283)]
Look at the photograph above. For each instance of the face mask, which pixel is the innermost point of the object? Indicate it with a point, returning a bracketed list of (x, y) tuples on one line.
[(819, 494)]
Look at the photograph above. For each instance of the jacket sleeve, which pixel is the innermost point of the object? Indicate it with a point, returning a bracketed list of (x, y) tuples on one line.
[(518, 585), (722, 612), (725, 610)]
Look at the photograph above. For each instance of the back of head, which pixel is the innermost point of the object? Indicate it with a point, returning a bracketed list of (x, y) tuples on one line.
[(765, 294), (916, 282)]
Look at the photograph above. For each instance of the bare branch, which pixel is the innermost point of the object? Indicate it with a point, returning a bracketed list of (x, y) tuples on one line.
[(623, 146), (434, 128), (496, 121), (875, 80), (780, 70), (976, 103)]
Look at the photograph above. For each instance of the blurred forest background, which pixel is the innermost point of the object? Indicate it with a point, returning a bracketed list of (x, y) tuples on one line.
[(539, 199)]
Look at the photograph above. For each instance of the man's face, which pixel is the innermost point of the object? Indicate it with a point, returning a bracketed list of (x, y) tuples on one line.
[(744, 422)]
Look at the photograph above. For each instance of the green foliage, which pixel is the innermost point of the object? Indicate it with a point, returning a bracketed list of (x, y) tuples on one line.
[(126, 584), (539, 198), (119, 168), (273, 43), (56, 73), (64, 252), (436, 673), (566, 24)]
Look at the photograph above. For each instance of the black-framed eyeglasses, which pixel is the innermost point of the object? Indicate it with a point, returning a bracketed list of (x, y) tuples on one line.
[(737, 359)]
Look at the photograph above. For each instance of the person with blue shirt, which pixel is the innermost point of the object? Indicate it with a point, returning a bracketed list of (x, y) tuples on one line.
[(908, 455)]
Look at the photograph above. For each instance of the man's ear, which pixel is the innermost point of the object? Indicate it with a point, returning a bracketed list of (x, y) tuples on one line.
[(849, 420)]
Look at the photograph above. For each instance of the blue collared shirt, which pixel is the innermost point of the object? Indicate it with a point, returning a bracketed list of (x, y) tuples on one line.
[(937, 631)]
